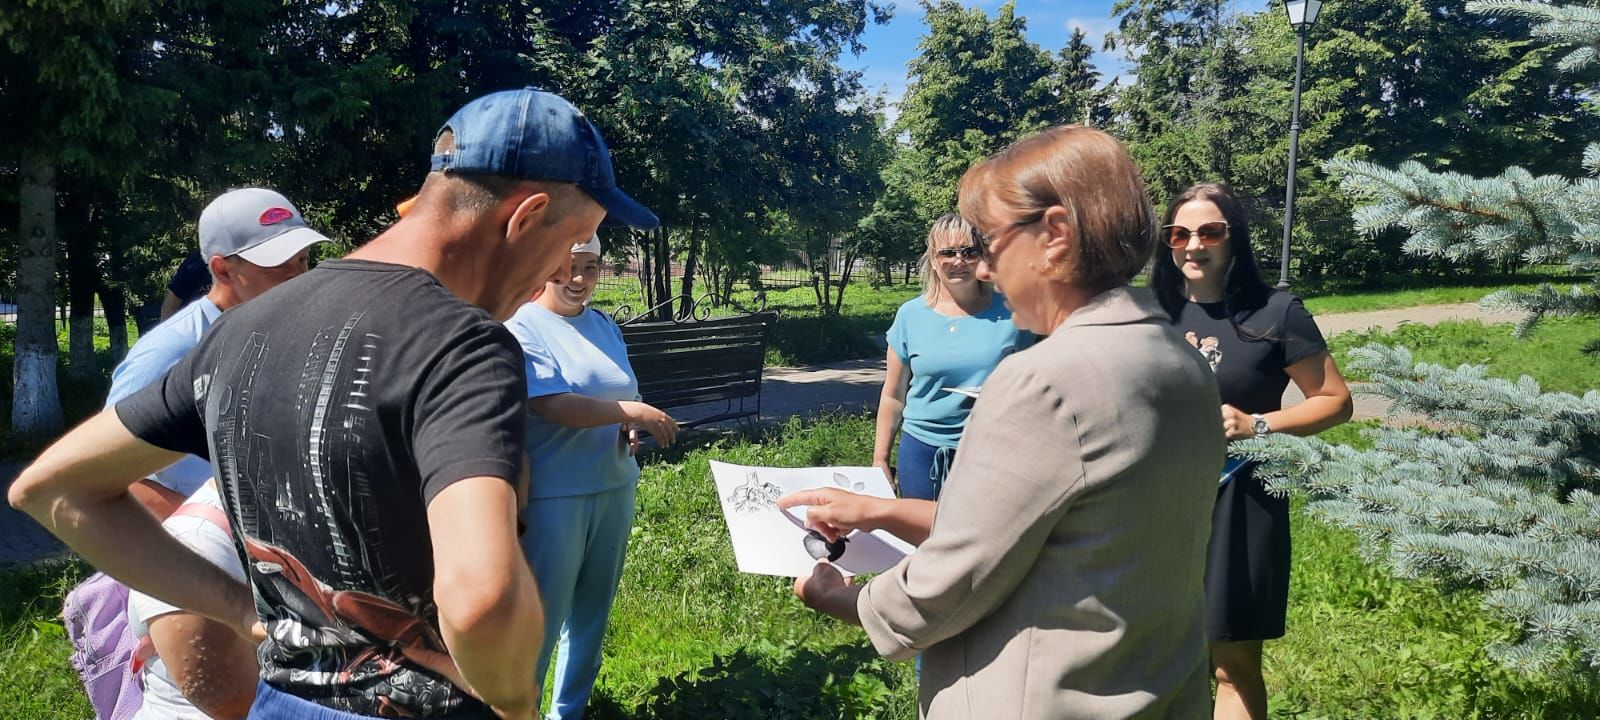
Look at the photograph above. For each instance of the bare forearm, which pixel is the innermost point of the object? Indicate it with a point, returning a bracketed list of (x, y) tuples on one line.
[(578, 411), (120, 537), (78, 490), (1312, 416), (495, 642), (212, 666), (489, 611), (890, 409), (908, 519)]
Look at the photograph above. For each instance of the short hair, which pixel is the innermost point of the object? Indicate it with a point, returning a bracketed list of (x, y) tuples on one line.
[(949, 229), (1085, 171), (480, 192)]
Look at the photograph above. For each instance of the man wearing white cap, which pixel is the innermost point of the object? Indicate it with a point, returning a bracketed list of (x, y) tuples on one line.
[(584, 408), (252, 240)]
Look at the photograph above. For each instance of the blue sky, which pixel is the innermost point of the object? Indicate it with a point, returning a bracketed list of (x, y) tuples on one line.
[(1050, 23)]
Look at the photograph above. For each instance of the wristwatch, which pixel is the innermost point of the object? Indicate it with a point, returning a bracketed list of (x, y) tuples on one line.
[(1261, 426)]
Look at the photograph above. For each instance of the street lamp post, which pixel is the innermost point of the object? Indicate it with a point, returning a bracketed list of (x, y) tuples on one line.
[(1302, 14)]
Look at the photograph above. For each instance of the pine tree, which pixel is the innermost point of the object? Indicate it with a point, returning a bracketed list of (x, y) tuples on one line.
[(1497, 491)]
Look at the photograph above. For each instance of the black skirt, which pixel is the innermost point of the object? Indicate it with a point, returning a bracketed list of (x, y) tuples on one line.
[(1247, 564)]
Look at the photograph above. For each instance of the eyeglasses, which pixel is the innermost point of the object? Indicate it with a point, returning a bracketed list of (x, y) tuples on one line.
[(986, 240), (1210, 234), (967, 252)]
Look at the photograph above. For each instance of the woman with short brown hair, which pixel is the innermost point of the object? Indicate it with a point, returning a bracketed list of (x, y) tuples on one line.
[(1063, 574)]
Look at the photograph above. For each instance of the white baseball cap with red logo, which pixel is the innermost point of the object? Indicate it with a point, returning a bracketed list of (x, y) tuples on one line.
[(255, 224)]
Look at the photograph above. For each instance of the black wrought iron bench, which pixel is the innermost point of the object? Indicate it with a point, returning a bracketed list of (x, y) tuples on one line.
[(695, 361)]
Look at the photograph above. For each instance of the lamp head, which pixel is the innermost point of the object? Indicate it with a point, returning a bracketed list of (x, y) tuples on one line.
[(1302, 13)]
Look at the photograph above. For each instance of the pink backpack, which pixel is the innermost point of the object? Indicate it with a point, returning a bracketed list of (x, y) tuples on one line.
[(106, 655)]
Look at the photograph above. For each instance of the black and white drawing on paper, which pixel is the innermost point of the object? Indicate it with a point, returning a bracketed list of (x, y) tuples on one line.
[(754, 495), (770, 541)]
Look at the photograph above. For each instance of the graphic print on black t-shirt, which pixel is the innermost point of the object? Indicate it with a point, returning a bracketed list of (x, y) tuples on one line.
[(1209, 347), (330, 423), (1250, 358), (307, 613)]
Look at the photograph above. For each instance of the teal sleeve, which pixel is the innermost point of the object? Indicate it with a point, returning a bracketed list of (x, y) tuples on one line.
[(896, 337)]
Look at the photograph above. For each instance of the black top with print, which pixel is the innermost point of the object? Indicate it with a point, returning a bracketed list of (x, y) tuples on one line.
[(333, 409), (1249, 359)]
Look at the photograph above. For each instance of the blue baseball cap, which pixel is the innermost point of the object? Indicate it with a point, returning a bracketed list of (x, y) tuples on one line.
[(535, 135)]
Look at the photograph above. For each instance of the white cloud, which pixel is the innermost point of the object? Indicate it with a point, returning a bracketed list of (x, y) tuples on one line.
[(1094, 28)]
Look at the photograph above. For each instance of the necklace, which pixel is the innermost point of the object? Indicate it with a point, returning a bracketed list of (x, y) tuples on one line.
[(953, 322)]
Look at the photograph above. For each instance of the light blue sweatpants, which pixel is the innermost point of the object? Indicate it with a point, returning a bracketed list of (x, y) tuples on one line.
[(576, 545)]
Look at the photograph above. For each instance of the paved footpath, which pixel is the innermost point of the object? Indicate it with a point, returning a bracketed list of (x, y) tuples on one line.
[(852, 385), (1370, 406)]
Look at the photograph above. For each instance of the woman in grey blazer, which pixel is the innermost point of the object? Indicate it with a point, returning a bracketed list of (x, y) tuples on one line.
[(1061, 574)]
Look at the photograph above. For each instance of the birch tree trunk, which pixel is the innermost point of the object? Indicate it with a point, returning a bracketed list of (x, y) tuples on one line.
[(36, 402)]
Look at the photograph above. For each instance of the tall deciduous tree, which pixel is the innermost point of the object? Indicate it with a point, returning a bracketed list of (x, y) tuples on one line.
[(1170, 45), (976, 84), (721, 113), (67, 109), (1385, 81)]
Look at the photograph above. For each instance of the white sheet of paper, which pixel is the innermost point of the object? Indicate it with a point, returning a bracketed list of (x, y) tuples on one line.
[(767, 543), (971, 392)]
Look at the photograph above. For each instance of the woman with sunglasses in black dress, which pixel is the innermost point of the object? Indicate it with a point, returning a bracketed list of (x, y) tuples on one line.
[(942, 346), (1256, 340)]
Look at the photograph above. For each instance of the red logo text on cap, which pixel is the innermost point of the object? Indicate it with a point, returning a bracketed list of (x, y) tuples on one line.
[(276, 215)]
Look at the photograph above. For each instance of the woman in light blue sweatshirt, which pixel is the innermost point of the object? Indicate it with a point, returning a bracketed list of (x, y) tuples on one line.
[(584, 416)]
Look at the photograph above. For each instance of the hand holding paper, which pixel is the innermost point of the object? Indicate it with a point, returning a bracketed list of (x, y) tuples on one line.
[(827, 590), (773, 539)]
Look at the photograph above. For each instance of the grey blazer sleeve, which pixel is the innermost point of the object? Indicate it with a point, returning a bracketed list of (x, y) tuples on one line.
[(1017, 471)]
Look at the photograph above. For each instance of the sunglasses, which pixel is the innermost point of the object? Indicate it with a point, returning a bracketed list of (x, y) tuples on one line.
[(1210, 234), (969, 252)]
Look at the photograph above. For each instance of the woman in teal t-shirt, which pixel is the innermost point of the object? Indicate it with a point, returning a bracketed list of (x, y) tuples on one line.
[(942, 346)]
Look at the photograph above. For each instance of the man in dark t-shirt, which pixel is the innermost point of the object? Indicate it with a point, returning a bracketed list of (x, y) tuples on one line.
[(365, 423), (189, 283)]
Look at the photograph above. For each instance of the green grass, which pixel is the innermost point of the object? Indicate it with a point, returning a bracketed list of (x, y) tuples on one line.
[(692, 637), (1340, 299), (35, 679), (683, 602), (1550, 355)]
